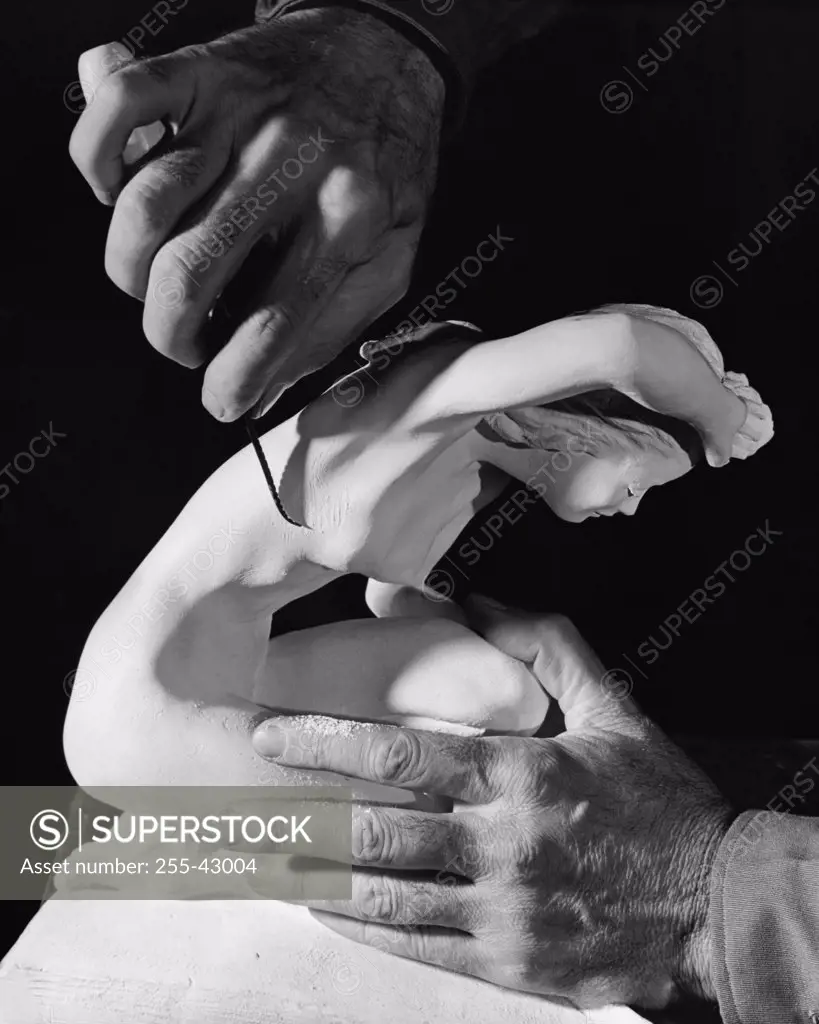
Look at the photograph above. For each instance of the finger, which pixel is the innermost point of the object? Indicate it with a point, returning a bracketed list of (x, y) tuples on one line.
[(451, 950), (366, 292), (190, 271), (308, 280), (137, 94), (561, 660), (324, 293), (154, 201), (93, 67), (403, 903), (466, 768), (96, 64), (388, 837)]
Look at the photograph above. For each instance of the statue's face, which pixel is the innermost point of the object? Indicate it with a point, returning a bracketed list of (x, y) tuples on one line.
[(610, 482), (575, 484), (579, 486)]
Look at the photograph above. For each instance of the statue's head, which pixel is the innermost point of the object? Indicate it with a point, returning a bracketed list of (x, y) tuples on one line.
[(600, 452), (596, 454)]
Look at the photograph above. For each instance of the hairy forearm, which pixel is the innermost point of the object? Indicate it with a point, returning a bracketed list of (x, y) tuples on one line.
[(468, 34), (367, 80)]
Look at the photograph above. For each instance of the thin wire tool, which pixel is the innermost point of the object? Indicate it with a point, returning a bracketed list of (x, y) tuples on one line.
[(271, 483)]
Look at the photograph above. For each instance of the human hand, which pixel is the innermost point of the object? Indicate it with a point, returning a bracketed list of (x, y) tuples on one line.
[(316, 134), (577, 866)]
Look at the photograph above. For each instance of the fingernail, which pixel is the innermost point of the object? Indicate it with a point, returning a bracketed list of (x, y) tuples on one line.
[(269, 741), (213, 405), (121, 51), (106, 198)]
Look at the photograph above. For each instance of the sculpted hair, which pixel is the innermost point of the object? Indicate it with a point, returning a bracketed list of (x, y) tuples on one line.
[(595, 422), (606, 418)]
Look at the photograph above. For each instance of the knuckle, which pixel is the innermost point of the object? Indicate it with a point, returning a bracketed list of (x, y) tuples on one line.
[(377, 901), (526, 860), (346, 196), (424, 908), (274, 322), (124, 84), (559, 628), (375, 842), (474, 853), (183, 167), (543, 766), (160, 68), (490, 763), (120, 87), (187, 251), (422, 946), (140, 209), (398, 759)]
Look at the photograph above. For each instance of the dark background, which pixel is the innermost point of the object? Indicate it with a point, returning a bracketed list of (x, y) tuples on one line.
[(602, 207)]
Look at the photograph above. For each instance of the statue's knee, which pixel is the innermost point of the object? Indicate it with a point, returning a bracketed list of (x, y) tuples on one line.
[(520, 701), (399, 600)]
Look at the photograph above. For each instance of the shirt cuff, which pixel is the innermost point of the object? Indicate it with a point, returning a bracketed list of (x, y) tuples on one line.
[(764, 917)]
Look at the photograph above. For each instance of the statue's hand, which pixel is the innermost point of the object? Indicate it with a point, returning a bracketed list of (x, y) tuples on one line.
[(720, 432)]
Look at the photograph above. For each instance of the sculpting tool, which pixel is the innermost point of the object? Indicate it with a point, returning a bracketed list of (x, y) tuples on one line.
[(271, 483)]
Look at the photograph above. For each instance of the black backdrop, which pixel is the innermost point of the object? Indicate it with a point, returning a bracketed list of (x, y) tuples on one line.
[(635, 202)]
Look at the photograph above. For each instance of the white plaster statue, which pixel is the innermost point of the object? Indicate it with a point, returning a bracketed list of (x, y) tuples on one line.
[(181, 661), (179, 668)]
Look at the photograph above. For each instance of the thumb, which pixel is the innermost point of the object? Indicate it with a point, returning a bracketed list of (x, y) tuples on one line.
[(561, 661)]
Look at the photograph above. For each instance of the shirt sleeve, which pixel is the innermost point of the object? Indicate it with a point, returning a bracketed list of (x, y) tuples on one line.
[(466, 35), (765, 920)]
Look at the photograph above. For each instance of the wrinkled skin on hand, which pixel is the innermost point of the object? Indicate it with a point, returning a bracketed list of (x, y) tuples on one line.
[(315, 135), (577, 866)]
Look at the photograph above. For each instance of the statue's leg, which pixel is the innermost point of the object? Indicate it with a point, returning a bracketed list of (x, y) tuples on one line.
[(398, 600), (406, 670)]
